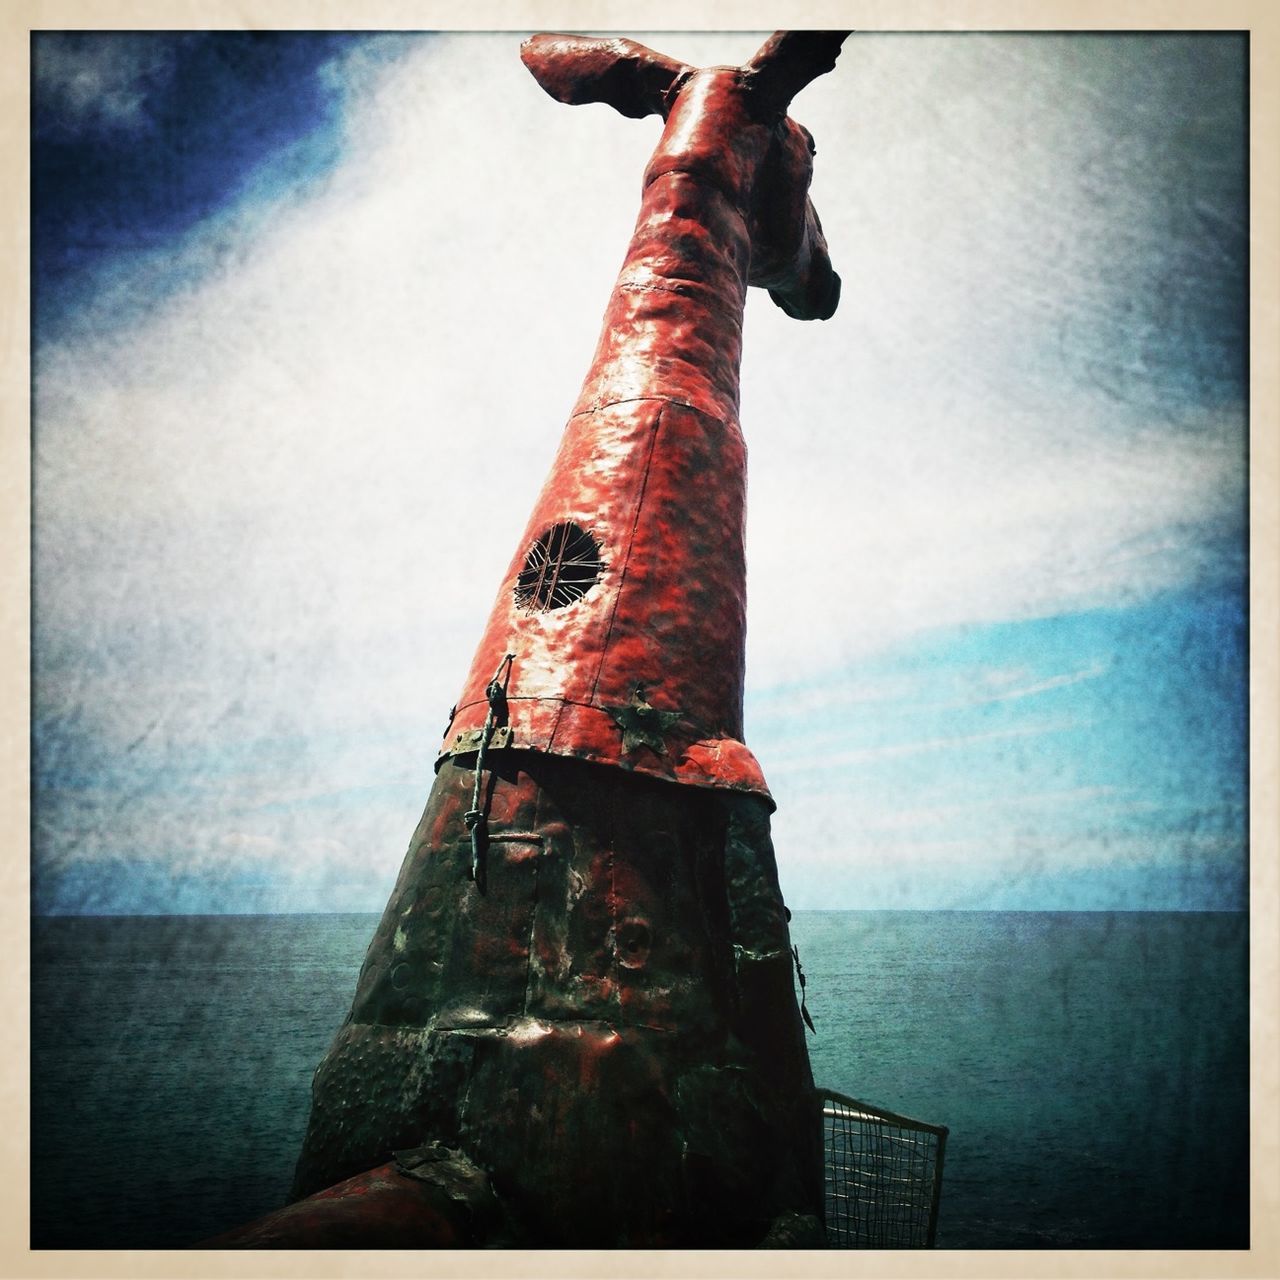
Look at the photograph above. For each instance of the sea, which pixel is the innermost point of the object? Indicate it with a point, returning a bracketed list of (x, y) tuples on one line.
[(1092, 1068)]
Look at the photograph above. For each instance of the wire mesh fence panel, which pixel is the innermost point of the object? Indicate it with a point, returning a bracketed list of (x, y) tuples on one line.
[(883, 1176)]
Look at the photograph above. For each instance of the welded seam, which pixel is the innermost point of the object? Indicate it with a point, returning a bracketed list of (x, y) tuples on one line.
[(684, 290), (491, 1030), (684, 404), (613, 896), (626, 562), (533, 914), (699, 179)]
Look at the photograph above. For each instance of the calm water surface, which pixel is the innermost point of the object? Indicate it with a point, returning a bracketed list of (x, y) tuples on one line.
[(1092, 1067)]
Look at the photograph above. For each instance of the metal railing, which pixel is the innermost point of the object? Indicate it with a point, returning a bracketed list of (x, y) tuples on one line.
[(883, 1175)]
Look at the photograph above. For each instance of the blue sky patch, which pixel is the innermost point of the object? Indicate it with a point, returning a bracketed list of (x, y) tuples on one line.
[(137, 137)]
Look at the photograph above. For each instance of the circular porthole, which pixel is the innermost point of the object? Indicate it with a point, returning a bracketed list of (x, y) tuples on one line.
[(562, 566)]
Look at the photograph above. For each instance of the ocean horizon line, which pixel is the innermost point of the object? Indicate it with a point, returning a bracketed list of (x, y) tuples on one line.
[(1004, 911)]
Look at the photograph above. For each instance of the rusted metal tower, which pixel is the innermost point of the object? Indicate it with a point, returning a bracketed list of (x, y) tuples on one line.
[(576, 1022)]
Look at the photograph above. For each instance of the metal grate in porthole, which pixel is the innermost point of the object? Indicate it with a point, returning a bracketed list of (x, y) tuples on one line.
[(883, 1176), (562, 566)]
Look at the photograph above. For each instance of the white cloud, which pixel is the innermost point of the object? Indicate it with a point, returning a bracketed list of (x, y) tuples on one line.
[(322, 416), (826, 761), (792, 704), (292, 486), (1064, 680), (912, 819), (241, 841), (1014, 853), (1021, 871), (87, 83)]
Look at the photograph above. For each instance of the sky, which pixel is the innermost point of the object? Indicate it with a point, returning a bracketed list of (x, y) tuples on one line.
[(310, 312)]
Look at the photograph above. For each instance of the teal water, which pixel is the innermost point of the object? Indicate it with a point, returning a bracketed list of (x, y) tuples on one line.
[(1092, 1068)]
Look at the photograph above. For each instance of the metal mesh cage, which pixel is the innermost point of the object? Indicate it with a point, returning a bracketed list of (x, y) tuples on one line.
[(883, 1176)]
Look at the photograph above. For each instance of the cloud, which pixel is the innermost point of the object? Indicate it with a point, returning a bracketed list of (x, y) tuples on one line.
[(943, 814), (988, 528), (85, 84), (1063, 681), (242, 842), (771, 708), (345, 383), (1173, 869), (886, 751), (282, 464)]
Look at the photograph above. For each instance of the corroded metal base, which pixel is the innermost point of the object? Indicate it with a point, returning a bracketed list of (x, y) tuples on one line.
[(608, 1029), (578, 1006)]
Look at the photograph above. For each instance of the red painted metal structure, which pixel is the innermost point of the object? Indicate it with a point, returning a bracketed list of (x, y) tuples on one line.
[(652, 463), (576, 1023)]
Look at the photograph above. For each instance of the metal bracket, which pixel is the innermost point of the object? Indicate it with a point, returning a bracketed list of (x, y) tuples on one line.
[(465, 743)]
